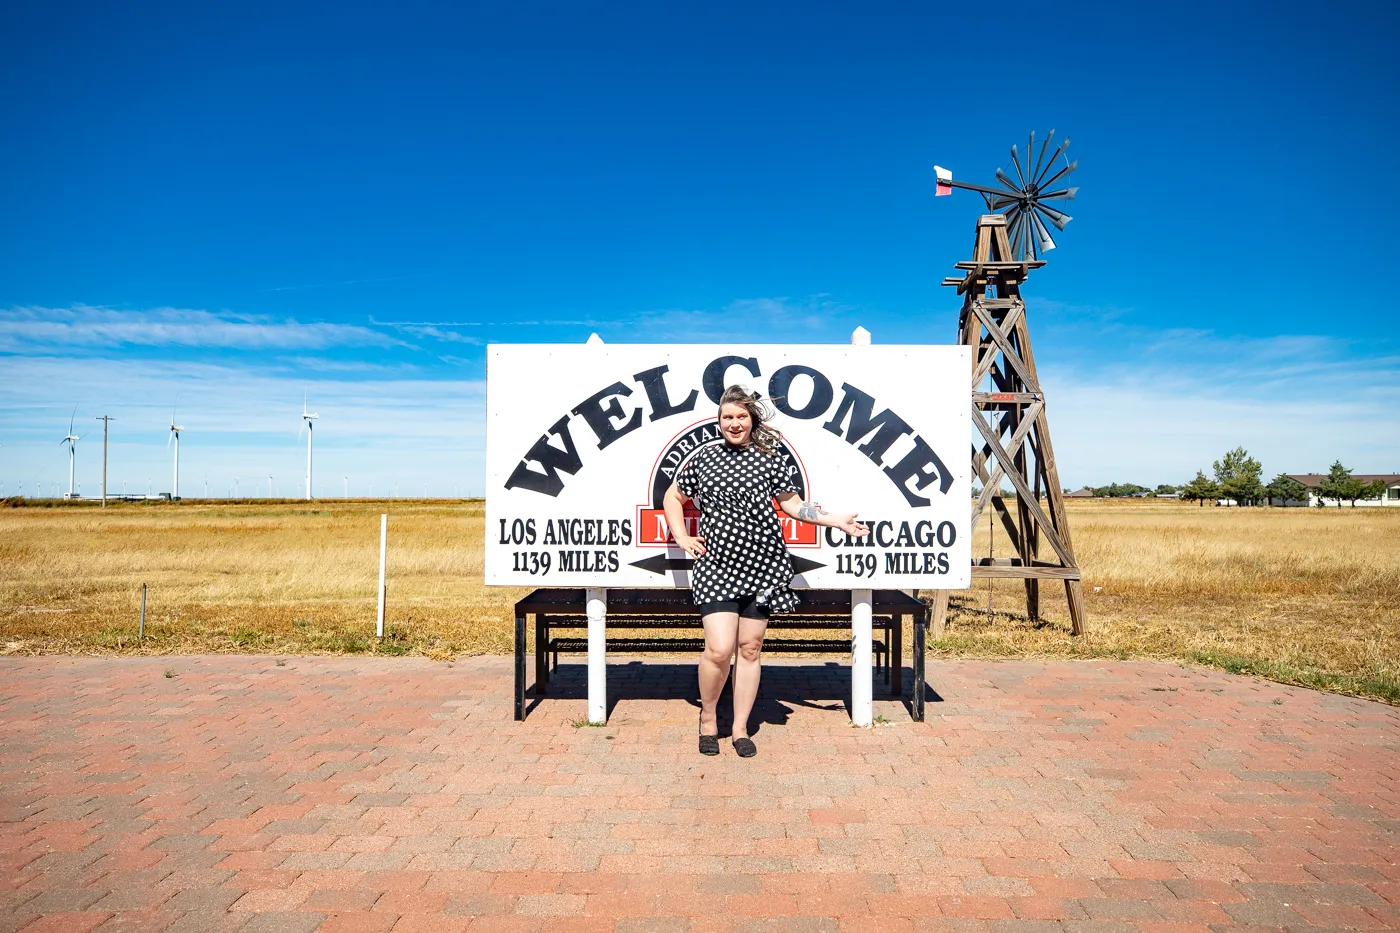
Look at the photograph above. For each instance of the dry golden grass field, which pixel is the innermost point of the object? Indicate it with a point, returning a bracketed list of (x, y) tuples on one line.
[(1307, 596)]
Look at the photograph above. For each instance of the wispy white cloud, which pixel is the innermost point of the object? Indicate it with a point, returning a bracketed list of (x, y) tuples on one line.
[(431, 332), (1125, 402), (1165, 404), (240, 423), (32, 329), (814, 319)]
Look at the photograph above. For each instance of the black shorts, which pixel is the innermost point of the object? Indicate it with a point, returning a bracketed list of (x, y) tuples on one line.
[(748, 607)]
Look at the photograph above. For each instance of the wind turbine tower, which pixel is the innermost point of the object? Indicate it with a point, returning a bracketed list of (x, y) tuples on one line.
[(72, 441), (175, 430), (308, 419)]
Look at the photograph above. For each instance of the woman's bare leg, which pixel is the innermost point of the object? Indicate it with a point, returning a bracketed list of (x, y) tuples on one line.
[(747, 671), (721, 635)]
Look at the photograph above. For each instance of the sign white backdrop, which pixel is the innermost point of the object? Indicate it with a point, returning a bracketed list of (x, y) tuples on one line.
[(583, 441)]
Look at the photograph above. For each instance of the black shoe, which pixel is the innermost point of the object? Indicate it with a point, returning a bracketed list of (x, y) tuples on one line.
[(744, 746), (709, 744)]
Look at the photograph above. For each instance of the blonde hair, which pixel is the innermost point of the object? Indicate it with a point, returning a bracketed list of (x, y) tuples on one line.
[(760, 413)]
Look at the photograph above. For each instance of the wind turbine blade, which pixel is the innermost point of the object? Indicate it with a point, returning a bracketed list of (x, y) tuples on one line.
[(1013, 233), (70, 419), (1006, 180), (1047, 242), (1016, 161), (1041, 158), (1064, 194), (1055, 217), (1062, 173), (168, 436), (997, 203), (1050, 163)]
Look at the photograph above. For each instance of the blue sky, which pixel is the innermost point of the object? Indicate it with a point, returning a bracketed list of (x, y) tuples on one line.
[(238, 205)]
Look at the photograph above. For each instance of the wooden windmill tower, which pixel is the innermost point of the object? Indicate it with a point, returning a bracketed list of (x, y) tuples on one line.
[(1008, 404)]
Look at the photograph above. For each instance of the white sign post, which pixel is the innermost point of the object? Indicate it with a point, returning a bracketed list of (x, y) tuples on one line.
[(584, 440), (383, 552), (597, 608)]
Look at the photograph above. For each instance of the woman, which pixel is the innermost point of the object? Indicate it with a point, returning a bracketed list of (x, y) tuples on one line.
[(742, 572)]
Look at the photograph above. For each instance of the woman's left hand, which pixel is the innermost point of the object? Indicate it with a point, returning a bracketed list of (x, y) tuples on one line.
[(849, 525)]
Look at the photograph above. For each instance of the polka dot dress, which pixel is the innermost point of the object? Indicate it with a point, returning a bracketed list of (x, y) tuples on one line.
[(744, 552)]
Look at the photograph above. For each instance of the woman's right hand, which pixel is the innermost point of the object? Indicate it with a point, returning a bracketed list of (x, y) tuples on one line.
[(695, 546)]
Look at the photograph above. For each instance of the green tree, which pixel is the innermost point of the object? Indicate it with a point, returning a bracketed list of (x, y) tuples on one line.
[(1284, 487), (1238, 475), (1373, 490), (1339, 484), (1164, 488), (1118, 490), (1200, 489)]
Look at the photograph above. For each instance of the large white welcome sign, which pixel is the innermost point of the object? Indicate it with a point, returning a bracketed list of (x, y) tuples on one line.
[(582, 443)]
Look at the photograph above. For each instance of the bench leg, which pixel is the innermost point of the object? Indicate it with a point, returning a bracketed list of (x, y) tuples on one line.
[(541, 654), (519, 667), (917, 704), (897, 656)]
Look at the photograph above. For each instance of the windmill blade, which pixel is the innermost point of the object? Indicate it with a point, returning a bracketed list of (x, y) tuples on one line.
[(1064, 194), (1043, 146), (1006, 180), (1062, 173), (997, 203), (1055, 217), (1047, 243), (1059, 150), (168, 435), (71, 417), (1016, 161), (1013, 232)]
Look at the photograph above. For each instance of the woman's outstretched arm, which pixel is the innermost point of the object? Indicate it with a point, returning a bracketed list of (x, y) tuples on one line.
[(793, 506)]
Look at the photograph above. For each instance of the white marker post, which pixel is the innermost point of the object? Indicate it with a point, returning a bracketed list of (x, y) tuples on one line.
[(597, 655), (383, 550), (862, 612), (597, 599)]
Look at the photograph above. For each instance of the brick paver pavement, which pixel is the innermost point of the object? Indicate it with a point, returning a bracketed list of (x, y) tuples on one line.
[(362, 794)]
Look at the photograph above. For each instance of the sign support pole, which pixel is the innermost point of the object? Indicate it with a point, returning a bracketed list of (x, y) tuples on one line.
[(862, 611), (597, 598)]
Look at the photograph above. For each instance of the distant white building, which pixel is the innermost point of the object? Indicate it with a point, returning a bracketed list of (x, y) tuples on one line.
[(1313, 480)]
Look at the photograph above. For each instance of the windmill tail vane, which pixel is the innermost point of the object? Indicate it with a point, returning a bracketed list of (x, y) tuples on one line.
[(1022, 199)]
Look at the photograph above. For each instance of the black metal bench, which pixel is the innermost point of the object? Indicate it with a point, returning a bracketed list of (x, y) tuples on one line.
[(549, 646), (642, 609)]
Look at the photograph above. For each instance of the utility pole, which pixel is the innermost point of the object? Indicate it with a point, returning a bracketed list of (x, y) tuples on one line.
[(104, 419)]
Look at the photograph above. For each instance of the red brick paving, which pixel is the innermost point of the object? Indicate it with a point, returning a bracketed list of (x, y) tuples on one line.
[(352, 794)]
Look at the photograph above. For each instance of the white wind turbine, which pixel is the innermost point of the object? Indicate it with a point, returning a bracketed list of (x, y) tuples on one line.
[(307, 419), (72, 441), (174, 434)]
